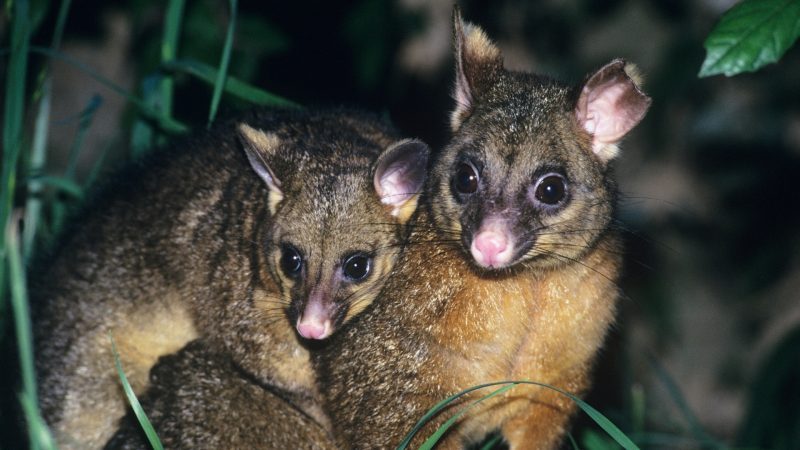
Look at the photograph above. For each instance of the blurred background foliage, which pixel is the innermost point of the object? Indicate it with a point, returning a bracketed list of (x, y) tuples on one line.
[(707, 349)]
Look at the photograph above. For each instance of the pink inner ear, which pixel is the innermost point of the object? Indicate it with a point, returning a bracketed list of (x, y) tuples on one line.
[(605, 115), (462, 95), (610, 105), (393, 188)]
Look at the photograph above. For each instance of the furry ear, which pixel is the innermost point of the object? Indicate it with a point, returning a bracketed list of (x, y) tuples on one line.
[(477, 61), (611, 103), (399, 175), (260, 147)]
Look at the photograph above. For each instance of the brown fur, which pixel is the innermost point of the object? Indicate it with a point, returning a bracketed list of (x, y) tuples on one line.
[(183, 246), (443, 324), (200, 399)]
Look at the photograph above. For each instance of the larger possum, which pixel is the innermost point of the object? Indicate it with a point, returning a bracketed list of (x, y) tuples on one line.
[(244, 249), (510, 271)]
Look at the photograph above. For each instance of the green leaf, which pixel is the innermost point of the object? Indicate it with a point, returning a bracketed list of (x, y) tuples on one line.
[(169, 45), (233, 85), (222, 73), (166, 123), (87, 115), (149, 431), (16, 70), (750, 35), (601, 420), (434, 438), (37, 432), (63, 184), (38, 151)]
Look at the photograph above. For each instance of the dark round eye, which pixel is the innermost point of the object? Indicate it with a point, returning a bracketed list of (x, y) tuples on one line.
[(357, 266), (291, 261), (551, 189), (466, 178)]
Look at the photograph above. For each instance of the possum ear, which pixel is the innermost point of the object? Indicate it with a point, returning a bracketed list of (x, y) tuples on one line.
[(478, 60), (610, 104), (260, 148), (399, 175)]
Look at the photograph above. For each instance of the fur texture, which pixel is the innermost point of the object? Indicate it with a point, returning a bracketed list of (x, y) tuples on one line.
[(522, 169), (186, 244)]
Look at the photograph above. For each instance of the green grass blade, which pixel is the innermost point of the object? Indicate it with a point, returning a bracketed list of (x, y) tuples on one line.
[(99, 162), (143, 132), (435, 410), (169, 49), (83, 126), (572, 442), (37, 432), (37, 428), (223, 64), (601, 420), (492, 442), (677, 397), (233, 85), (149, 431), (65, 185), (434, 438), (61, 22), (166, 123), (13, 114), (38, 151)]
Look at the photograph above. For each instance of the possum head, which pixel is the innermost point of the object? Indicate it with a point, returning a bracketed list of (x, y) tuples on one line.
[(525, 178), (337, 222)]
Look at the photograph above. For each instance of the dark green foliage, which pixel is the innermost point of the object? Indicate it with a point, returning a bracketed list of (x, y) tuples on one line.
[(752, 34), (773, 419)]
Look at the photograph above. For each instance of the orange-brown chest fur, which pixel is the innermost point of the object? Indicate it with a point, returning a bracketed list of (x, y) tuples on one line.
[(536, 325)]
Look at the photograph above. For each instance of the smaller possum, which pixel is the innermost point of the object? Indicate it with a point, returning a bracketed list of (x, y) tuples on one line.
[(191, 243)]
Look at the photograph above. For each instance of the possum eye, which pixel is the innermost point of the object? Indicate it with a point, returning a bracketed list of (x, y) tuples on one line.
[(357, 266), (291, 261), (551, 189), (466, 178)]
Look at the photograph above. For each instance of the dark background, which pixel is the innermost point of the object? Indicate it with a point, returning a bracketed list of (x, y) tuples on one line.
[(706, 350)]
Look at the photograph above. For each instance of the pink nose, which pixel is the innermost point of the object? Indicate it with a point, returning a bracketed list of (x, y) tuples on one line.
[(315, 322), (489, 249), (313, 329)]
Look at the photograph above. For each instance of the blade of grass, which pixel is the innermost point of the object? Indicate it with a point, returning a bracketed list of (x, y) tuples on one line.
[(169, 49), (38, 147), (65, 185), (223, 64), (572, 442), (98, 166), (168, 124), (492, 442), (233, 85), (435, 410), (434, 438), (37, 429), (37, 160), (83, 126), (601, 420), (13, 113), (143, 132), (149, 431), (22, 325), (675, 394)]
